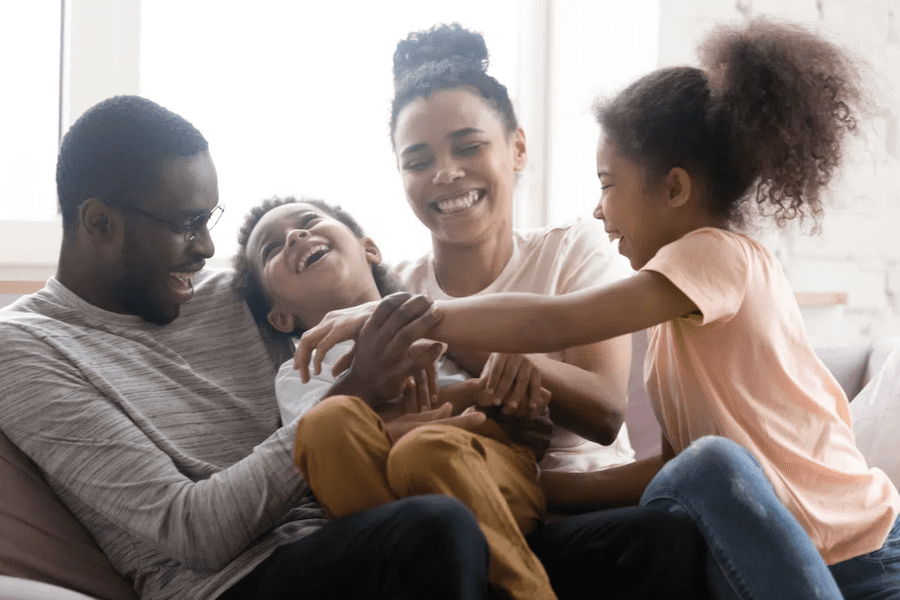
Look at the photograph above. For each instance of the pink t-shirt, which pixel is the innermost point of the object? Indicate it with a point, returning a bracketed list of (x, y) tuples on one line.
[(742, 368)]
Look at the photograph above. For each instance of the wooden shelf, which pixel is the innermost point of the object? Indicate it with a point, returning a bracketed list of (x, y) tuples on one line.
[(20, 287), (822, 299)]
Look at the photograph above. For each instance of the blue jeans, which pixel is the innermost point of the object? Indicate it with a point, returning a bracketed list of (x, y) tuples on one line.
[(756, 548), (417, 547)]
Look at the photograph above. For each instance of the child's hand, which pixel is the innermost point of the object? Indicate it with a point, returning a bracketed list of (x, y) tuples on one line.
[(400, 426), (513, 382), (402, 310)]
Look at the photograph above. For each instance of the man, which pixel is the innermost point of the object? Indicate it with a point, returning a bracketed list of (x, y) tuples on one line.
[(140, 386)]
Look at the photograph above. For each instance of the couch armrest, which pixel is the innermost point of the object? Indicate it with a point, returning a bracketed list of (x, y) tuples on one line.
[(881, 348)]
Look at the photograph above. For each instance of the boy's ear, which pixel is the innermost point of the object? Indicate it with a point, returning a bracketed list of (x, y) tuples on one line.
[(520, 149), (373, 254), (678, 185), (281, 321)]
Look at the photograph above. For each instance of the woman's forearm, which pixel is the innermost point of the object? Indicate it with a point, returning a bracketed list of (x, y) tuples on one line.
[(597, 490), (589, 390)]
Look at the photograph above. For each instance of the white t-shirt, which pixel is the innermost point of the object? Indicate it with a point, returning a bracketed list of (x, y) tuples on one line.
[(295, 398), (553, 260)]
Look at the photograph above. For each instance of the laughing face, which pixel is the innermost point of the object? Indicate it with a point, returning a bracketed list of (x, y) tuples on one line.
[(309, 263), (634, 213), (158, 263), (458, 165)]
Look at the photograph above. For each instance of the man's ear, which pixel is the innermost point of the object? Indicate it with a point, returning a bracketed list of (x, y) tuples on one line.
[(520, 149), (98, 219), (678, 186), (373, 254), (281, 321)]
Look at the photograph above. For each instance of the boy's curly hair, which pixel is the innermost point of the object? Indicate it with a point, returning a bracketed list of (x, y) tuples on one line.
[(247, 282)]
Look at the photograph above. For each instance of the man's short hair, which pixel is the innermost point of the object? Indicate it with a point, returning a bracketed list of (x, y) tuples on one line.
[(114, 150)]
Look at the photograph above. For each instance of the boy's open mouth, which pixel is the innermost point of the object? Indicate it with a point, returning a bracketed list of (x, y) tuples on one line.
[(312, 255)]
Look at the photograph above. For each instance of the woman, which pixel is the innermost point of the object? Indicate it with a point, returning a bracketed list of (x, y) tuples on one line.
[(459, 149)]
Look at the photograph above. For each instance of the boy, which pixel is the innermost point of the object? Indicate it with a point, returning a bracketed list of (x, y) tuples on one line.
[(299, 260)]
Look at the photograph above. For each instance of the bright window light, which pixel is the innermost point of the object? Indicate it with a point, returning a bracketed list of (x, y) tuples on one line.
[(29, 109), (294, 97)]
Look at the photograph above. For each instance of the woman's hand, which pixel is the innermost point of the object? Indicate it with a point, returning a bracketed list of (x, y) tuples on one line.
[(409, 317), (513, 381)]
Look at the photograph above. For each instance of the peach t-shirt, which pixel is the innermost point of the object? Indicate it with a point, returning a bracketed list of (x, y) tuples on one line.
[(742, 368)]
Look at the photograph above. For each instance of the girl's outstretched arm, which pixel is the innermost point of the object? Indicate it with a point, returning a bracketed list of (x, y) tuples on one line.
[(511, 322), (527, 323)]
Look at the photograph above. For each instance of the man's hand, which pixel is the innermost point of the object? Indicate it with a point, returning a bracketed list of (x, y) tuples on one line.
[(407, 317), (386, 356), (400, 426)]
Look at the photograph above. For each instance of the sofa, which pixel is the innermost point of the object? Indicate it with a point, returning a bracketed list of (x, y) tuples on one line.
[(46, 554)]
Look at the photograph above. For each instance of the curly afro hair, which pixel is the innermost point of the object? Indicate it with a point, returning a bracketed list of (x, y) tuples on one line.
[(247, 282), (764, 119)]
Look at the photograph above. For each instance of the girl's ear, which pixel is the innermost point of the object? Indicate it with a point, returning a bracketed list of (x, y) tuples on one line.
[(373, 254), (678, 186), (520, 150), (281, 321)]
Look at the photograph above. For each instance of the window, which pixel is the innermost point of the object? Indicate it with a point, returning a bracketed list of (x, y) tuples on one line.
[(294, 98), (29, 43)]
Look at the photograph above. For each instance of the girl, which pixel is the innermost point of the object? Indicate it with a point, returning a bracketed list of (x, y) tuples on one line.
[(683, 155)]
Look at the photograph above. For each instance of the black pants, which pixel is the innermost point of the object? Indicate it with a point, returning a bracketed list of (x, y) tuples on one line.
[(419, 547), (639, 552), (430, 547)]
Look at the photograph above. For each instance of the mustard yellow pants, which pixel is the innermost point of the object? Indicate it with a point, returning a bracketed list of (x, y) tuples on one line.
[(347, 458)]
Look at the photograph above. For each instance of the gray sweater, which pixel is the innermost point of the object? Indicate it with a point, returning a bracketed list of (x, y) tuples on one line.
[(165, 441)]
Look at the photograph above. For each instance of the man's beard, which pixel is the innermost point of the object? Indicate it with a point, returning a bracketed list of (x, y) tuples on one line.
[(134, 291)]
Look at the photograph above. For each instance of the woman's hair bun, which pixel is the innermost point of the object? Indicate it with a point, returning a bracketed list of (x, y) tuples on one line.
[(444, 42)]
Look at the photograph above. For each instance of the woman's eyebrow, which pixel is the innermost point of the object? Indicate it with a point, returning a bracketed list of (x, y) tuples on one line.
[(414, 148), (464, 132)]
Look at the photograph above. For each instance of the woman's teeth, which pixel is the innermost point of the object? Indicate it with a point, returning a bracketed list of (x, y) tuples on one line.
[(458, 203)]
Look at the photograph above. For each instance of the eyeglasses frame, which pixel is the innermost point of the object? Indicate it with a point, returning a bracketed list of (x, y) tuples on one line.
[(189, 230)]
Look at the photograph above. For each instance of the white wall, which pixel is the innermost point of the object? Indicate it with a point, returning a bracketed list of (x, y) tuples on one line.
[(858, 251)]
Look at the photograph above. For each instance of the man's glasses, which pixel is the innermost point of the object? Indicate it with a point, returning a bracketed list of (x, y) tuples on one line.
[(190, 229)]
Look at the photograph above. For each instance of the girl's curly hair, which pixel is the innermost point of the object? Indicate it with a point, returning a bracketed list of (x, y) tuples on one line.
[(765, 119), (246, 280)]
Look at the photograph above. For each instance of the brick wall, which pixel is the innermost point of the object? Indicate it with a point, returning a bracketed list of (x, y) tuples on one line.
[(858, 251)]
